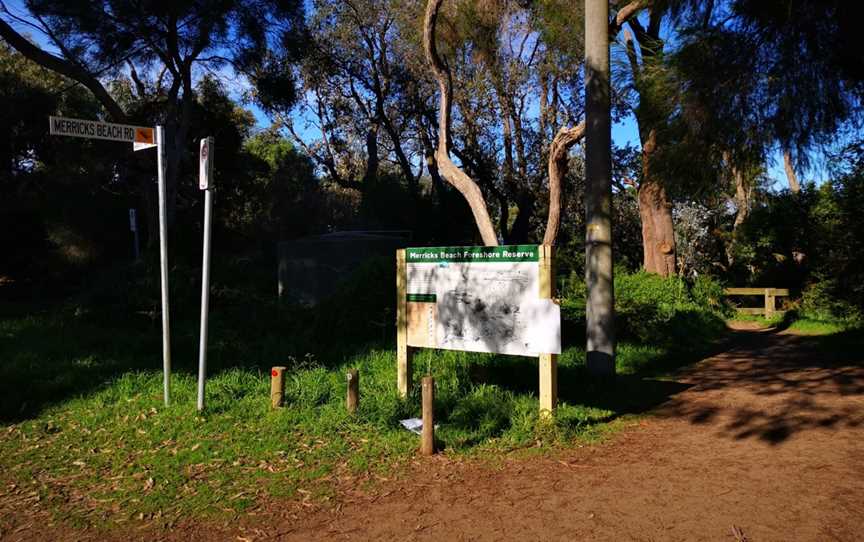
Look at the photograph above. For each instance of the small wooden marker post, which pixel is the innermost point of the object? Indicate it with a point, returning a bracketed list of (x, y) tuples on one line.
[(277, 386), (548, 362), (427, 439), (353, 400), (404, 353)]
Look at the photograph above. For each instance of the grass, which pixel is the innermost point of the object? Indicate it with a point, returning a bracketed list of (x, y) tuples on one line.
[(777, 319), (83, 427), (807, 326)]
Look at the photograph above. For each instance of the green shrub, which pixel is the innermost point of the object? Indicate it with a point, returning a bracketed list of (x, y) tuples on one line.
[(819, 302), (646, 303), (707, 292), (650, 309)]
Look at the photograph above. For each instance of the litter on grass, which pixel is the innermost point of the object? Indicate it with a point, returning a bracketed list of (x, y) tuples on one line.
[(415, 425)]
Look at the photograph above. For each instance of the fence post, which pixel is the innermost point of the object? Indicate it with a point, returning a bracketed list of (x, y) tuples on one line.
[(548, 362), (769, 302), (404, 353)]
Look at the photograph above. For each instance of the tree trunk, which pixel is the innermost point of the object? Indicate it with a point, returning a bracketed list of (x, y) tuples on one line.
[(742, 206), (599, 303), (658, 233), (371, 174), (655, 211), (790, 173), (564, 139)]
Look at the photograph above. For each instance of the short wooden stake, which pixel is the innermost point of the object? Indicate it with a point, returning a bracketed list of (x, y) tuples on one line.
[(277, 386), (404, 353), (427, 439), (353, 400)]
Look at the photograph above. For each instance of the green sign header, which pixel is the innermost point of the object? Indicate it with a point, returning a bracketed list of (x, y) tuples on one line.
[(506, 253)]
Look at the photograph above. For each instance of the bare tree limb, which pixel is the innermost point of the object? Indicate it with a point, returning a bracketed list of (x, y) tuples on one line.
[(794, 186), (139, 85), (564, 139), (450, 171)]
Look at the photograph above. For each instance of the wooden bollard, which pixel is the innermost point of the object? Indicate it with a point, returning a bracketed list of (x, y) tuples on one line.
[(427, 439), (353, 400), (277, 386)]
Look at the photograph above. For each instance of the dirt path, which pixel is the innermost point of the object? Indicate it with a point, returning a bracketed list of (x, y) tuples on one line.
[(769, 438)]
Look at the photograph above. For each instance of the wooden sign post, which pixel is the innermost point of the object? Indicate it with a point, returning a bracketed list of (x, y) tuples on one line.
[(404, 353), (548, 362)]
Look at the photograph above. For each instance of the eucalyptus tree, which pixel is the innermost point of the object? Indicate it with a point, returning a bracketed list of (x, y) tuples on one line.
[(465, 59), (757, 77), (356, 91), (163, 45)]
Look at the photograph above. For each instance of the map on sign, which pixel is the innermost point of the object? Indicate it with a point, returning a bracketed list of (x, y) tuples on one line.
[(480, 299), (141, 137)]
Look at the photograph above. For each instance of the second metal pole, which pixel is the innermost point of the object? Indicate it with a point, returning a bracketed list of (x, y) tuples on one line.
[(205, 299), (163, 259), (205, 183)]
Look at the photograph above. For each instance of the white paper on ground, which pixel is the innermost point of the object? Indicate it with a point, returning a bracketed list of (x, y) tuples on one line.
[(415, 425)]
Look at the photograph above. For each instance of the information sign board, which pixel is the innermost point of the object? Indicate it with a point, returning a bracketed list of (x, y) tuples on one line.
[(480, 299)]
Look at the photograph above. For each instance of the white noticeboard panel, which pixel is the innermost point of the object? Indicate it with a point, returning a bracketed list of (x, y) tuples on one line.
[(480, 299)]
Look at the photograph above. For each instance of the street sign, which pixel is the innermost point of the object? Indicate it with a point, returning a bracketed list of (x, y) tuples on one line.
[(205, 173), (141, 137)]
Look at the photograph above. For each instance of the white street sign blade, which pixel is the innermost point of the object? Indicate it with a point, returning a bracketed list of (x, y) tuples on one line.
[(141, 146), (92, 129)]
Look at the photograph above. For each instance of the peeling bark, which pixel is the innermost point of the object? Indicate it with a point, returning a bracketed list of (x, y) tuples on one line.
[(655, 211)]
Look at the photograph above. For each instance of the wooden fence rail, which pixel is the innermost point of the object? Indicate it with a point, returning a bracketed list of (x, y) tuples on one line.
[(770, 295)]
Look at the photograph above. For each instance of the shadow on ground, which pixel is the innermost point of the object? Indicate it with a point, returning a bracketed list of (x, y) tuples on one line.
[(775, 385)]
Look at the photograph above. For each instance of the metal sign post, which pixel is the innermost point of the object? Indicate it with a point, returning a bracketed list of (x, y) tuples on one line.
[(205, 183), (141, 137), (163, 260), (133, 227)]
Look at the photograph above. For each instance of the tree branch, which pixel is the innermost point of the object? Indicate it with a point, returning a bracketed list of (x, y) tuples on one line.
[(63, 67), (561, 144)]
